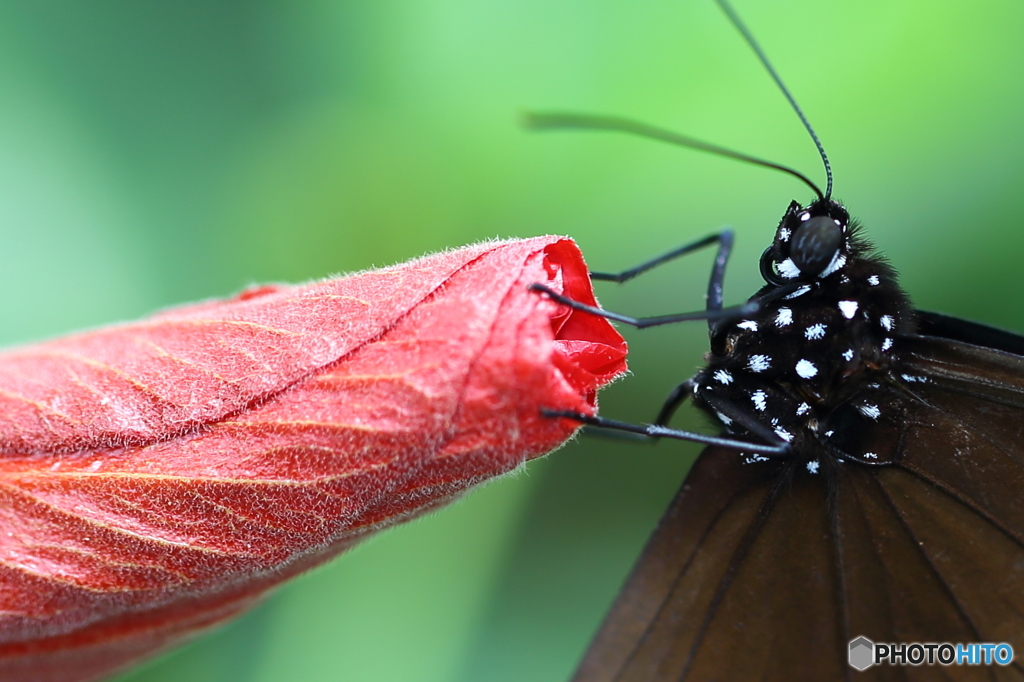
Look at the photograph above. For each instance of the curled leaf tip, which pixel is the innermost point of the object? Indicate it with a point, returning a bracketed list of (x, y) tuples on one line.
[(157, 478)]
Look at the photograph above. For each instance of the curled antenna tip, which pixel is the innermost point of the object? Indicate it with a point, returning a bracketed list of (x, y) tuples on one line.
[(542, 120), (573, 121), (527, 119), (748, 37)]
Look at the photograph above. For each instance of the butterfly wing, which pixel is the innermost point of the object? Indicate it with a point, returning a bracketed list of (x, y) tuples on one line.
[(708, 597), (960, 482), (761, 572)]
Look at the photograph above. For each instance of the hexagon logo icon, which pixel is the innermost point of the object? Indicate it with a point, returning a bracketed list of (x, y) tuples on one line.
[(862, 653)]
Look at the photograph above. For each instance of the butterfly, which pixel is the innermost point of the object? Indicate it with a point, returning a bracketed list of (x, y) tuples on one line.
[(867, 482)]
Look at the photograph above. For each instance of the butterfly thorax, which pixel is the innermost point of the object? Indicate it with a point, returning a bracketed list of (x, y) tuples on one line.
[(815, 365)]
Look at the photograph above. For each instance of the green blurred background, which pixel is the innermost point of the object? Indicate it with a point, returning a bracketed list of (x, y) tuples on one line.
[(157, 152)]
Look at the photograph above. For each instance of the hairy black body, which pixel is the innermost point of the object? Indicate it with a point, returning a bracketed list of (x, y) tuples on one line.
[(820, 358)]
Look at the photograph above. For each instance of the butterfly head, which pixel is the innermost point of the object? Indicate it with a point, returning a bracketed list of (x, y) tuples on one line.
[(810, 243)]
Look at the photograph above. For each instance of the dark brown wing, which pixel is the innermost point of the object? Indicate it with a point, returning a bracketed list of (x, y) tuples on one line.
[(761, 572)]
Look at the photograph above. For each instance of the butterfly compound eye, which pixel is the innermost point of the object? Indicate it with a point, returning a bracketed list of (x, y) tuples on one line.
[(815, 243)]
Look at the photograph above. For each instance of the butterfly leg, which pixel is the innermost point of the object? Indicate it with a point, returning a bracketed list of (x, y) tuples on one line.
[(714, 310), (773, 446), (654, 321), (742, 417), (676, 398), (724, 239)]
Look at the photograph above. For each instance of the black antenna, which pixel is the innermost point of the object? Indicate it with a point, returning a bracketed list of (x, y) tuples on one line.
[(741, 27), (548, 121)]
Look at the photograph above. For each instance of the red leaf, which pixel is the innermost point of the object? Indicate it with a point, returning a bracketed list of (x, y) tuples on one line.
[(157, 478)]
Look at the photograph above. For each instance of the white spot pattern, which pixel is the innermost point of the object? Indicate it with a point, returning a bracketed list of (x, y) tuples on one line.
[(788, 269), (815, 331), (784, 318), (870, 455), (812, 466), (803, 409), (886, 322), (874, 281), (760, 399), (749, 325), (723, 377), (869, 410), (806, 369), (759, 363), (784, 234), (722, 418), (886, 344), (784, 434), (848, 355), (848, 309), (838, 261)]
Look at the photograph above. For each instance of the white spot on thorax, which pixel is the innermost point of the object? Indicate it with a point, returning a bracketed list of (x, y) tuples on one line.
[(848, 355), (760, 399), (784, 318), (911, 378), (759, 363), (784, 234), (815, 331), (805, 216), (788, 269), (874, 281), (886, 322), (812, 466), (870, 455), (848, 308), (869, 410), (886, 344), (806, 369), (723, 376), (749, 325), (784, 434), (802, 409)]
